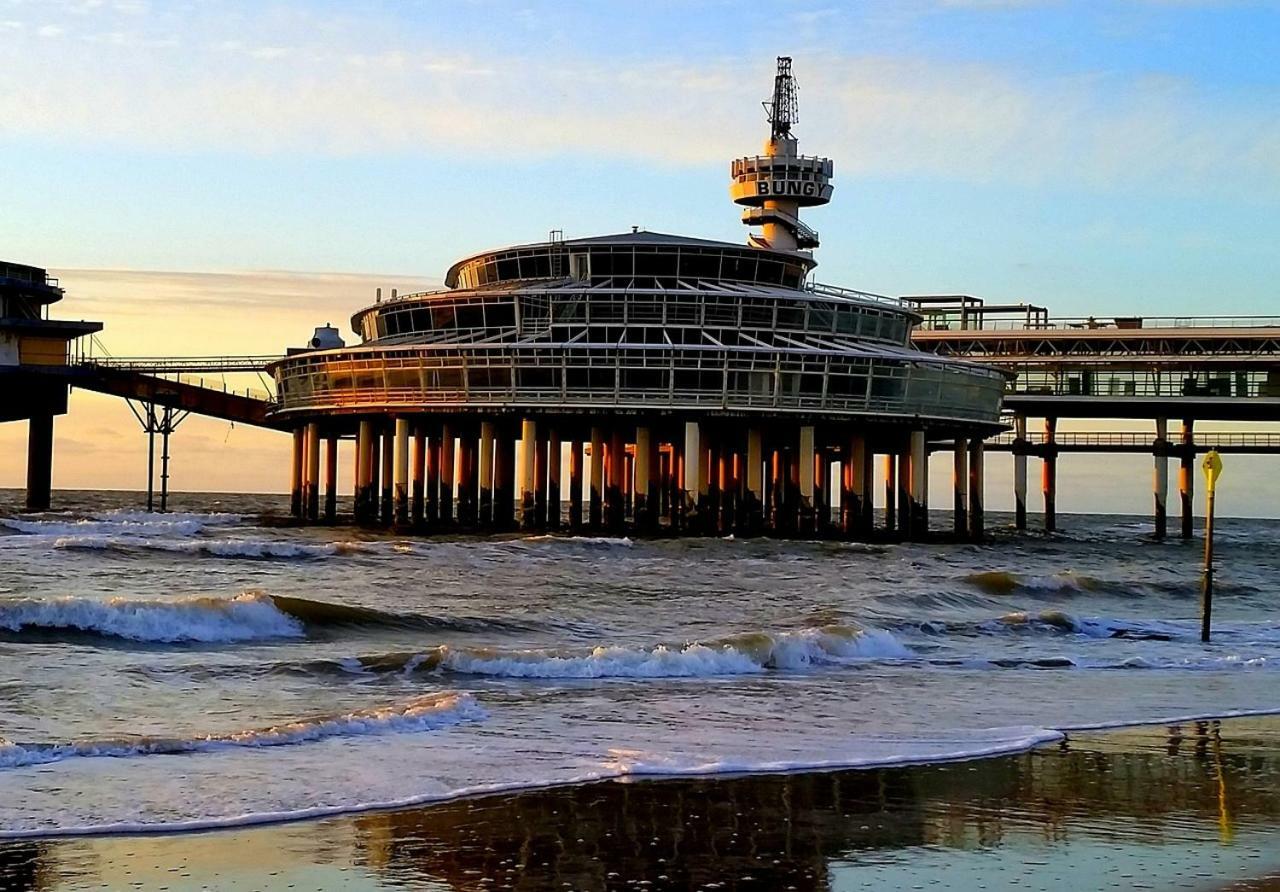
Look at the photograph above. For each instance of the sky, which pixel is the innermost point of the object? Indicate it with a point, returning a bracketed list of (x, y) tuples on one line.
[(220, 177)]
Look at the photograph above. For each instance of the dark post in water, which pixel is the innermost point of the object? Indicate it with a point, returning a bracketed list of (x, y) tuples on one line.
[(1212, 469)]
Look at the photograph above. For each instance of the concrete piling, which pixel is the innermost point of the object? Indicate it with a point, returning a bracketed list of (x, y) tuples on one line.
[(1160, 478), (1186, 477), (400, 483), (331, 479), (1049, 475), (528, 490), (960, 487), (295, 472), (1020, 472)]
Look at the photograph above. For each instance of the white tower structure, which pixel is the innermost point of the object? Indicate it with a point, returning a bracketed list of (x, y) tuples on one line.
[(775, 185)]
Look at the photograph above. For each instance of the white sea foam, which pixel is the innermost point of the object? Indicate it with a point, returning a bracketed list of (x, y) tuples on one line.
[(257, 549), (155, 527), (946, 747), (1094, 626), (246, 617), (737, 655), (603, 541), (426, 713), (216, 518), (615, 763)]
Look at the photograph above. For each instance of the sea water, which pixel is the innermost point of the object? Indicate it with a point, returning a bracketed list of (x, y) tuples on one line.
[(210, 667)]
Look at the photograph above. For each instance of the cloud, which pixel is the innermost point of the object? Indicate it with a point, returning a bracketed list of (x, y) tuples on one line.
[(293, 84), (150, 312)]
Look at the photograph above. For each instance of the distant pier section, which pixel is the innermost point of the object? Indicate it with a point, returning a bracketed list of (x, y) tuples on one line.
[(1171, 370)]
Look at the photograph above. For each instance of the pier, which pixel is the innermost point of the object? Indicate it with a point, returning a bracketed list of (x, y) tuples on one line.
[(658, 384), (1171, 371)]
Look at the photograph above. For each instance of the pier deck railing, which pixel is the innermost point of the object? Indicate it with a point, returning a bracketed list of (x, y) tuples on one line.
[(1138, 441), (1078, 324)]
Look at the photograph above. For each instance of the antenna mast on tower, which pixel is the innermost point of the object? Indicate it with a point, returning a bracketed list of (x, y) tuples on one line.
[(783, 109), (773, 187)]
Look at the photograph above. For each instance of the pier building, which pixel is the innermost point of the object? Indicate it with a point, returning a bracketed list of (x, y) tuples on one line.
[(649, 382), (30, 344)]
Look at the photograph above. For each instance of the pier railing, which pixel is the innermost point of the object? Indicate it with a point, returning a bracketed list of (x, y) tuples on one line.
[(1140, 441), (1111, 325)]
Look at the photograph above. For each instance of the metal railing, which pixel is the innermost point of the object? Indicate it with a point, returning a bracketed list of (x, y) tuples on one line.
[(1138, 439), (853, 294), (377, 398), (940, 322), (177, 364), (1123, 383)]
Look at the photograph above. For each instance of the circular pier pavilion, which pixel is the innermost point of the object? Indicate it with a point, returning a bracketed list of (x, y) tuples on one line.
[(643, 382)]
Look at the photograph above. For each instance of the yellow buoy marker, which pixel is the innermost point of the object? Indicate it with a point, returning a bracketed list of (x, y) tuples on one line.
[(1212, 466)]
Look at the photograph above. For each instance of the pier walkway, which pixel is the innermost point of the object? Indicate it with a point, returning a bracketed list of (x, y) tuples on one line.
[(1125, 367)]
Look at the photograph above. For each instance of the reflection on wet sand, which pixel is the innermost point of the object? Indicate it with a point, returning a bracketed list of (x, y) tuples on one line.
[(1202, 783)]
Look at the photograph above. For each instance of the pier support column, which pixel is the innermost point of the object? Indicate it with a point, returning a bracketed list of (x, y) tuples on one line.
[(977, 483), (805, 457), (919, 494), (821, 489), (296, 501), (575, 484), (486, 473), (364, 473), (504, 479), (400, 487), (386, 476), (540, 478), (905, 502), (1186, 478), (644, 510), (39, 462), (311, 480), (468, 515), (890, 491), (1020, 472), (433, 478), (960, 487), (615, 516), (554, 460), (447, 473), (752, 513), (865, 476), (528, 474), (1049, 475), (595, 512), (331, 479), (691, 486), (418, 477), (1160, 480), (855, 491)]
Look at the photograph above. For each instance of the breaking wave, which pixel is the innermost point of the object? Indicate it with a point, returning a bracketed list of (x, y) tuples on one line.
[(246, 617), (426, 713), (1003, 582), (250, 549), (736, 655), (1067, 583), (249, 616), (134, 524), (167, 527)]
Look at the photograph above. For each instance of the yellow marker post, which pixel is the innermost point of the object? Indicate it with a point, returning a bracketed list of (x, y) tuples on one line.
[(1212, 466)]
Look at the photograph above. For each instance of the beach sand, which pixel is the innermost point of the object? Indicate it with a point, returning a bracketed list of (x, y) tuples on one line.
[(1192, 806)]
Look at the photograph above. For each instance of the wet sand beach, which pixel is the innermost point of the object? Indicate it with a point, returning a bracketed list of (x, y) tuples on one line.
[(1190, 806)]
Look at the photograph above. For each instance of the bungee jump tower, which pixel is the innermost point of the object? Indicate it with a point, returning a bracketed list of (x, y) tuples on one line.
[(643, 382)]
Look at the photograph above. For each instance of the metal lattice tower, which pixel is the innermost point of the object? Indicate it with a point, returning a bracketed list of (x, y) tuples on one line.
[(783, 109), (773, 187)]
